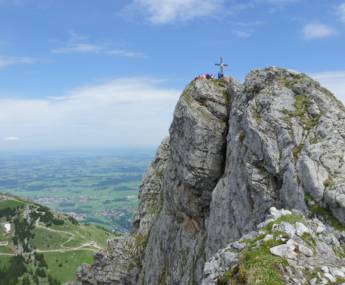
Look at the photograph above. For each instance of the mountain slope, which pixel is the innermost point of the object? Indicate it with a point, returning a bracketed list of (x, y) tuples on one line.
[(234, 152), (38, 246)]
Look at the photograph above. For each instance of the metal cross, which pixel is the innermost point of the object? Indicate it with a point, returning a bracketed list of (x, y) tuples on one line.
[(221, 65)]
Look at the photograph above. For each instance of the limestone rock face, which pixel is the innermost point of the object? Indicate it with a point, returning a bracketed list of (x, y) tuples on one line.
[(311, 257), (120, 263), (150, 195), (285, 140), (234, 152), (196, 162), (114, 266)]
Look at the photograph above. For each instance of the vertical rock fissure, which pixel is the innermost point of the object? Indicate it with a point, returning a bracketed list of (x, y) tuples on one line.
[(234, 152)]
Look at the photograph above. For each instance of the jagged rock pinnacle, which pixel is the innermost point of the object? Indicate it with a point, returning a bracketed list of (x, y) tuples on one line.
[(235, 151)]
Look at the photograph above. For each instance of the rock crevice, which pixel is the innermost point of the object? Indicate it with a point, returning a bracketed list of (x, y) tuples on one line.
[(234, 152)]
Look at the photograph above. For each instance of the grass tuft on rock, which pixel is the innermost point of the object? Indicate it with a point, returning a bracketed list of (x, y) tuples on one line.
[(329, 182), (326, 214), (307, 237), (242, 136), (302, 103), (291, 219), (259, 267), (297, 151), (141, 241)]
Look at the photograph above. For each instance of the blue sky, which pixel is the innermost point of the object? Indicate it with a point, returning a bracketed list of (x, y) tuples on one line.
[(103, 74)]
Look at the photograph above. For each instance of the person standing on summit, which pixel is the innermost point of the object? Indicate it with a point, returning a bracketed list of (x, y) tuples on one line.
[(221, 65)]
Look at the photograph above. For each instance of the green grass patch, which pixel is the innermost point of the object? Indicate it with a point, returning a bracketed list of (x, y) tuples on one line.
[(219, 82), (307, 237), (339, 281), (10, 204), (242, 136), (86, 233), (228, 276), (5, 249), (257, 116), (4, 261), (291, 219), (329, 182), (302, 103), (259, 267), (63, 266), (44, 239), (299, 78), (313, 140), (141, 241), (12, 270), (328, 216), (297, 151), (9, 207), (308, 198)]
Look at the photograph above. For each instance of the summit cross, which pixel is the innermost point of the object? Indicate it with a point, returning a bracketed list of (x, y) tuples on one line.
[(221, 65)]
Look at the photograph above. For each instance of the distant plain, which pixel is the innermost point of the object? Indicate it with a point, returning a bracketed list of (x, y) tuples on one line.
[(98, 187)]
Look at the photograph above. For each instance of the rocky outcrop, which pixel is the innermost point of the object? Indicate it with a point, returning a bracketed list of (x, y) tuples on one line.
[(285, 140), (286, 249), (175, 251), (234, 151), (121, 262)]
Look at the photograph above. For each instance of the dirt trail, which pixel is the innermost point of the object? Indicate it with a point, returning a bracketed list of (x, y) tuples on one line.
[(83, 246), (89, 246), (8, 254)]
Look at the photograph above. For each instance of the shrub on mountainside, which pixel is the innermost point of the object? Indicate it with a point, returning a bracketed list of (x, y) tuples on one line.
[(41, 262), (11, 273), (40, 272), (23, 232), (52, 280)]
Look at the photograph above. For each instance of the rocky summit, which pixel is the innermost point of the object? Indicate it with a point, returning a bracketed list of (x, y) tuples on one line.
[(249, 188)]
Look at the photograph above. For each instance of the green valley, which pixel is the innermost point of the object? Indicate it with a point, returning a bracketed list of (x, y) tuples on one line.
[(98, 187), (40, 246)]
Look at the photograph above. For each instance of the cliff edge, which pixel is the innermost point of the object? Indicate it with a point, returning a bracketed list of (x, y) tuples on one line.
[(236, 153)]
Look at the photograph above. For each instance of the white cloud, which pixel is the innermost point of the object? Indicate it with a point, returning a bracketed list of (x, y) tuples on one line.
[(10, 139), (15, 60), (242, 34), (317, 31), (77, 48), (245, 29), (341, 12), (115, 113), (169, 11), (80, 44), (334, 81), (165, 11), (126, 53)]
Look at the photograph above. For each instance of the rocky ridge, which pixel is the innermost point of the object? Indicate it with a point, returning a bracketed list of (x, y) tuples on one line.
[(286, 249), (234, 152)]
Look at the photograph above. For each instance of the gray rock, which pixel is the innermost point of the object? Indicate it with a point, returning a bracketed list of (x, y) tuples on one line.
[(305, 250), (298, 255), (235, 151), (301, 229), (237, 245), (286, 251), (285, 227)]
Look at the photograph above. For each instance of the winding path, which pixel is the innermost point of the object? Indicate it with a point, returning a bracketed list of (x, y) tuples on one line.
[(88, 246), (83, 246)]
